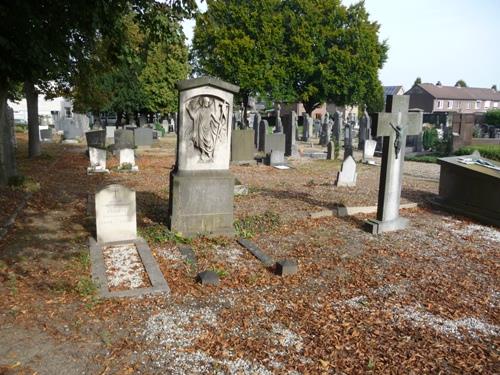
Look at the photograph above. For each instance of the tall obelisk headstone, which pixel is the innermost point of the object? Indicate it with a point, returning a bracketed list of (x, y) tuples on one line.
[(393, 125), (201, 186)]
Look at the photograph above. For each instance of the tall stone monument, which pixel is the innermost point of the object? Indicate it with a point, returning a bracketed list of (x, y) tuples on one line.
[(393, 125), (201, 186)]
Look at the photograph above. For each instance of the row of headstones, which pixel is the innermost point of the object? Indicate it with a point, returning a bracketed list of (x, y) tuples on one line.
[(124, 143)]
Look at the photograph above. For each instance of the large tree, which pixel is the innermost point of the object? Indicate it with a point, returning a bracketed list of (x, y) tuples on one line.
[(242, 41), (333, 53), (40, 40)]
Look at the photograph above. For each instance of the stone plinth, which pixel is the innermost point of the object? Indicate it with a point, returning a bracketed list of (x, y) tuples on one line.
[(201, 202)]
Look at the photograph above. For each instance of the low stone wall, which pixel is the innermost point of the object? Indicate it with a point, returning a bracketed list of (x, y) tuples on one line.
[(485, 141)]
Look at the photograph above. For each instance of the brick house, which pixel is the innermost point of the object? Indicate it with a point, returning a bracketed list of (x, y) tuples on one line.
[(437, 98)]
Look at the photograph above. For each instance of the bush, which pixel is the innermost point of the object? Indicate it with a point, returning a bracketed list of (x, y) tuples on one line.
[(423, 158), (430, 138), (488, 151), (249, 226), (492, 117)]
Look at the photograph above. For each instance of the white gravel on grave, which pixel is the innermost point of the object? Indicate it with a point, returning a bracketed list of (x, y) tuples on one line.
[(124, 268), (286, 337), (485, 232), (174, 332), (420, 318)]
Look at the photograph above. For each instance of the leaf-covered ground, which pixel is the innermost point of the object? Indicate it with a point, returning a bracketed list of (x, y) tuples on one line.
[(423, 300)]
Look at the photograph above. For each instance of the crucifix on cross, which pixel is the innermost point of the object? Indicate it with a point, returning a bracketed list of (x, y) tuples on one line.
[(393, 125)]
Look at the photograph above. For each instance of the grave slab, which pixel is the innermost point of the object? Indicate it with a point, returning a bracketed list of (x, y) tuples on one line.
[(286, 267), (258, 253), (208, 278)]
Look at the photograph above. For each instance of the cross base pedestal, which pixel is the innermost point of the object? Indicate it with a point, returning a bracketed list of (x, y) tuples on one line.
[(377, 227)]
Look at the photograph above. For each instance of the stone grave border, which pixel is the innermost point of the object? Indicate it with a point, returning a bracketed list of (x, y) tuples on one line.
[(158, 282)]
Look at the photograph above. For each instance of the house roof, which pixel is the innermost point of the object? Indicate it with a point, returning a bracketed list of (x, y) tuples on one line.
[(392, 90), (460, 93)]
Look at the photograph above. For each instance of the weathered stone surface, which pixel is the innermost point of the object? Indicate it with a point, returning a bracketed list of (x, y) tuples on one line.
[(242, 147), (330, 151), (97, 160), (208, 278), (124, 138), (202, 202), (369, 150), (258, 253), (290, 124), (115, 214), (188, 254), (286, 267), (274, 142), (143, 137), (277, 157)]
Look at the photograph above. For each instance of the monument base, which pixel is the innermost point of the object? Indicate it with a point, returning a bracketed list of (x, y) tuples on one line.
[(377, 227), (201, 202)]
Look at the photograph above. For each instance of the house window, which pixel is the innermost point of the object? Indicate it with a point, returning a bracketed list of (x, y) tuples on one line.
[(478, 104), (487, 104), (68, 112), (440, 104), (495, 105), (458, 104), (450, 104), (468, 105)]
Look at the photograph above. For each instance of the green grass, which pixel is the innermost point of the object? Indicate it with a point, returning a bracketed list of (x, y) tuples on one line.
[(487, 151), (249, 226), (160, 234)]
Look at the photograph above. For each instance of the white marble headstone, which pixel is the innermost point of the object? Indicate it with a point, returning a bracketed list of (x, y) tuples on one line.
[(110, 132), (347, 175), (369, 149), (115, 214), (127, 156), (97, 158)]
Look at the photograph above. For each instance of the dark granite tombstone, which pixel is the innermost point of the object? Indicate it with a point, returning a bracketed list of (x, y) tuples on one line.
[(124, 138), (96, 138), (290, 129), (263, 130)]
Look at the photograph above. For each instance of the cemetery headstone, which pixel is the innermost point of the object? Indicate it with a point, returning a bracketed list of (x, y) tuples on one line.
[(338, 125), (110, 134), (115, 214), (143, 137), (263, 130), (201, 185), (347, 175), (393, 125), (127, 160), (97, 158), (275, 142), (124, 138), (290, 130), (305, 127), (46, 134), (369, 151), (330, 151), (279, 125), (96, 138), (348, 150), (256, 128), (242, 147), (277, 157)]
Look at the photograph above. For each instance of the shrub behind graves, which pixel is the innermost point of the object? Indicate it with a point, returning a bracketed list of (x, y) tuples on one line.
[(488, 151), (430, 138), (492, 117)]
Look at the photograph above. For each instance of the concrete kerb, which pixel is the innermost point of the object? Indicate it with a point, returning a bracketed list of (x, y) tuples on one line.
[(158, 282), (343, 211)]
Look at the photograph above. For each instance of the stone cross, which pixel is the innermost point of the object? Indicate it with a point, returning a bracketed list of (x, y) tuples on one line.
[(393, 125)]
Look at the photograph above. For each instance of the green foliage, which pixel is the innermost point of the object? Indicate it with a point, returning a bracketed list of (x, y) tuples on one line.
[(221, 272), (492, 117), (86, 287), (430, 138), (418, 81), (309, 51), (460, 83), (160, 234), (423, 158), (488, 151), (24, 183), (249, 226)]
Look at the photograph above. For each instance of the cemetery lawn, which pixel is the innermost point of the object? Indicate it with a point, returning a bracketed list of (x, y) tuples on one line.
[(423, 300)]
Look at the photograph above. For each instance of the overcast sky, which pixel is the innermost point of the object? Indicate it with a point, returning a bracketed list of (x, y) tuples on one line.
[(438, 40)]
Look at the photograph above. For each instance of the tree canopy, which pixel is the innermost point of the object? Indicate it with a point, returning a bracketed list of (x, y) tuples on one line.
[(309, 51), (460, 83), (418, 81)]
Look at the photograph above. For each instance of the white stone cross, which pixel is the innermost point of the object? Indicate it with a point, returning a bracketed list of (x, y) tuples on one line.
[(393, 125)]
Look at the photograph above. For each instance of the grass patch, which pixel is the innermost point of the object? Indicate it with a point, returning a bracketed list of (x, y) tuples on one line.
[(423, 158), (24, 183), (249, 226), (221, 272), (160, 234), (86, 287), (487, 151)]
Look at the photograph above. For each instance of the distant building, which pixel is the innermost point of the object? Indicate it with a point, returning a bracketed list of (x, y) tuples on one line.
[(393, 90), (438, 98)]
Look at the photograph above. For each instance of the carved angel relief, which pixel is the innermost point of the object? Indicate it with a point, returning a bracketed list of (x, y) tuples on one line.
[(209, 115)]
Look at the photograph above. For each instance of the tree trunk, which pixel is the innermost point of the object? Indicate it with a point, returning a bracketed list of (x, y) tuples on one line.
[(7, 151), (33, 129)]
